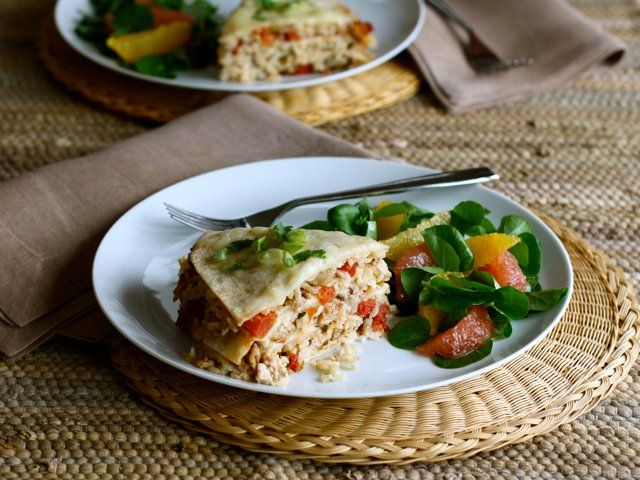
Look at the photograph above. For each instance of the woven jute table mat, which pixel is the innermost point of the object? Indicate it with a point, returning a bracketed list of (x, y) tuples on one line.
[(573, 154), (386, 85)]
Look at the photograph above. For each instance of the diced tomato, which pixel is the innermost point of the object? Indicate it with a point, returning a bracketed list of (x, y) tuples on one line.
[(292, 36), (294, 365), (361, 29), (365, 307), (349, 268), (419, 256), (468, 334), (300, 69), (506, 271), (266, 35), (164, 16), (326, 294), (379, 322), (236, 49), (311, 311), (259, 325)]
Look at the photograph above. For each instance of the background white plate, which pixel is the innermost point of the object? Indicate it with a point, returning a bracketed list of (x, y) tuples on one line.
[(396, 23), (136, 268)]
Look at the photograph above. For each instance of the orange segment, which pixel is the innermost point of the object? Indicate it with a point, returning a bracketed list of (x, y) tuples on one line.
[(388, 226), (133, 46), (432, 314), (486, 248)]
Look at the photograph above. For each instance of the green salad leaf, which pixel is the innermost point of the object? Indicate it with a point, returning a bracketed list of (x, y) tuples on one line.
[(511, 302), (472, 357), (501, 324), (412, 214), (344, 218), (413, 277), (102, 7), (448, 248), (468, 214), (454, 294), (410, 333), (164, 66), (485, 227), (172, 4), (319, 225), (514, 225), (131, 18), (545, 299), (528, 253), (92, 28)]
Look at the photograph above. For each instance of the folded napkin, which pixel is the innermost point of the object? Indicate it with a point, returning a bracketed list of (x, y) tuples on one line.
[(561, 40), (52, 220)]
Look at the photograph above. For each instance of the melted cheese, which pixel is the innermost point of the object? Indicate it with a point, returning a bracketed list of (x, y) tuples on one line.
[(306, 12)]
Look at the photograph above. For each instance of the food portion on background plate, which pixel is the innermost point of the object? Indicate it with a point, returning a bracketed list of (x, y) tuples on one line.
[(261, 303), (260, 40)]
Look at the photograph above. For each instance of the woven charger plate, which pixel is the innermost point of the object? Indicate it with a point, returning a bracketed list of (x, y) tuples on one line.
[(568, 373), (380, 87)]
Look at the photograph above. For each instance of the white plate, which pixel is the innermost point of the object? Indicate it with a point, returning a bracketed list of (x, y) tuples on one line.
[(136, 268), (396, 24)]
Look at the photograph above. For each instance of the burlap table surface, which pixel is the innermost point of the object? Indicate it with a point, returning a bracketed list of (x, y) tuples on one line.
[(573, 154)]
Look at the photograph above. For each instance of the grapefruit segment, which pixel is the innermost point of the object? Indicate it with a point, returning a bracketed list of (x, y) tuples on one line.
[(465, 336), (506, 271)]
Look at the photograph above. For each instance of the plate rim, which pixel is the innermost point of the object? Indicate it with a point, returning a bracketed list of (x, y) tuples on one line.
[(276, 390), (71, 40)]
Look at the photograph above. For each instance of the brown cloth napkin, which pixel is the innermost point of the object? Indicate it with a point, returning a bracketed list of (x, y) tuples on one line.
[(52, 220), (561, 40)]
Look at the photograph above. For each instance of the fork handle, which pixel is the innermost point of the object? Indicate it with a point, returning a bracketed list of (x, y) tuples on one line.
[(445, 10), (443, 179)]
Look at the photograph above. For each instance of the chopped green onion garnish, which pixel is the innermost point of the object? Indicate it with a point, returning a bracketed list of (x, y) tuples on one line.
[(258, 245), (287, 259), (292, 247), (237, 266), (307, 254), (239, 244), (272, 256), (219, 255), (296, 236)]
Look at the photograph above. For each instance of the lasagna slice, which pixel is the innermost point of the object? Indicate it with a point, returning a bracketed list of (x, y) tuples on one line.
[(260, 302), (263, 39)]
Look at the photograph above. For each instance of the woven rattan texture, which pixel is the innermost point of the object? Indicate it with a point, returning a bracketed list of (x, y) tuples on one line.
[(572, 369), (381, 87), (573, 153)]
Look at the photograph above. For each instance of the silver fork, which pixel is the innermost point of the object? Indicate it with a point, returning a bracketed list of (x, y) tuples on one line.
[(270, 216), (479, 55)]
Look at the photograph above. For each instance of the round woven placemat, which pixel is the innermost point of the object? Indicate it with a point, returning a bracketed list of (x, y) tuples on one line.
[(568, 373), (380, 87)]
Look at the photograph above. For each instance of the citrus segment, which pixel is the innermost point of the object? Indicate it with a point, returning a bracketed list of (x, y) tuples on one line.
[(413, 236), (486, 248), (388, 226), (162, 39), (464, 337), (506, 271)]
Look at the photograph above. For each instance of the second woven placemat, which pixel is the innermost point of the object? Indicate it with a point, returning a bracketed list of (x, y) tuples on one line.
[(568, 373), (380, 87)]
